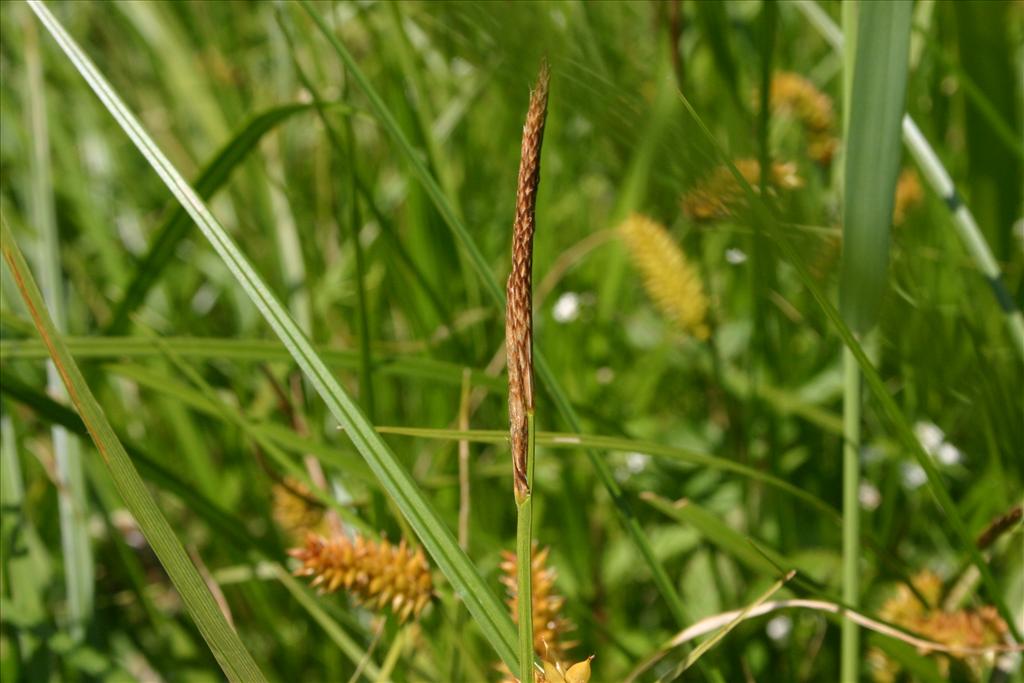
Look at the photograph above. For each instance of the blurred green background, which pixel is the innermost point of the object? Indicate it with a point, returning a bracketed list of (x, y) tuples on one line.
[(356, 248)]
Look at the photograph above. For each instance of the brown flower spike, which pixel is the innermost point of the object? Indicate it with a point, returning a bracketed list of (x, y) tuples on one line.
[(519, 297)]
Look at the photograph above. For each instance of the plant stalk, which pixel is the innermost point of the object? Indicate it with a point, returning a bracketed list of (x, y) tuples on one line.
[(850, 635), (524, 559)]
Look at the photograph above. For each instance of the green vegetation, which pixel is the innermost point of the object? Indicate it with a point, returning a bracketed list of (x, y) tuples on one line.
[(270, 242)]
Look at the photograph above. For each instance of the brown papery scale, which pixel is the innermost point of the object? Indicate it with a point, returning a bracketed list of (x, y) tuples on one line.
[(519, 294)]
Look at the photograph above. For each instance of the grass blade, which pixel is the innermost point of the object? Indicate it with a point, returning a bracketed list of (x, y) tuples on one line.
[(439, 541), (705, 646), (251, 350), (225, 644), (871, 116), (24, 563), (872, 157), (72, 502), (612, 443), (331, 627)]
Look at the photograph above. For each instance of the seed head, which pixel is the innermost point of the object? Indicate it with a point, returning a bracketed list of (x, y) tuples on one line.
[(549, 626), (908, 195), (671, 281), (965, 628), (519, 296), (377, 574), (999, 526), (796, 96), (293, 509), (719, 194)]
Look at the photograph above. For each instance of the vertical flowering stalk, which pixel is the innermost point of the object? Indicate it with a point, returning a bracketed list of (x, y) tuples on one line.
[(519, 347)]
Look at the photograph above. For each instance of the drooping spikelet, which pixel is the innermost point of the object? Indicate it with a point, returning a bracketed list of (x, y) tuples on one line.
[(719, 193), (670, 280), (793, 95), (294, 511), (377, 574), (960, 630), (908, 195), (999, 526)]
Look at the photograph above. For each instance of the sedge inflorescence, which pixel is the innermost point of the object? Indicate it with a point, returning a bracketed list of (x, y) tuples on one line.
[(961, 630), (293, 509), (378, 574), (792, 94), (908, 195), (719, 194), (550, 627), (671, 281)]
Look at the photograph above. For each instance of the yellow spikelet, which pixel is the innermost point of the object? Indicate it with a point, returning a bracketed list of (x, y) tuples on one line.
[(966, 628), (670, 280), (796, 96), (549, 626), (294, 514), (556, 673), (377, 574), (719, 194), (908, 195)]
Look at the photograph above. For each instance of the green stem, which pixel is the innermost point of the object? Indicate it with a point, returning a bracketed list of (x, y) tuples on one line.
[(850, 635), (524, 561)]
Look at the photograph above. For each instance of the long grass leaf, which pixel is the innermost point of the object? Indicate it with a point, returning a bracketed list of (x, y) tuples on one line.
[(72, 502), (872, 157), (720, 534), (439, 541), (225, 644), (624, 445), (251, 350), (24, 562), (332, 628)]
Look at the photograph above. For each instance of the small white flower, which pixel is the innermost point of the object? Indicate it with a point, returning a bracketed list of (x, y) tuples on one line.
[(604, 375), (869, 496), (913, 475), (779, 628), (930, 436), (567, 308), (735, 256), (948, 454), (636, 462)]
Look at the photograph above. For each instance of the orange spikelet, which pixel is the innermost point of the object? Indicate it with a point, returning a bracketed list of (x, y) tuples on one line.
[(719, 194), (377, 574), (796, 96), (966, 628), (549, 626)]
